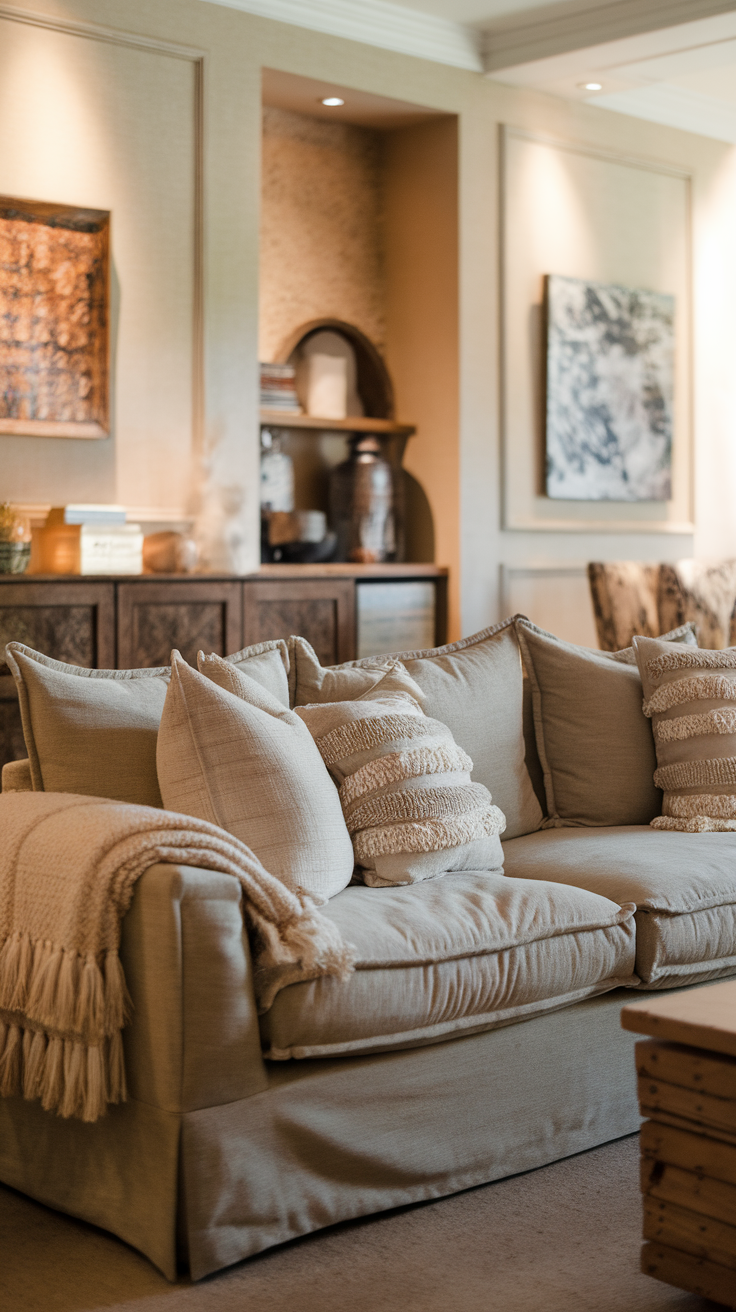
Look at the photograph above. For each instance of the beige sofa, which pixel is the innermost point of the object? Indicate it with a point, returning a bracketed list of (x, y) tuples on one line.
[(479, 1035)]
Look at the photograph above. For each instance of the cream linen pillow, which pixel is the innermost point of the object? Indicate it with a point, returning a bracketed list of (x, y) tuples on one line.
[(475, 687), (89, 731), (268, 663), (595, 746), (690, 697), (94, 731), (405, 790), (244, 762)]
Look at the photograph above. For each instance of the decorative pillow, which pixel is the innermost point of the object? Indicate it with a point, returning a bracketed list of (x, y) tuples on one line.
[(313, 683), (246, 763), (690, 697), (405, 790), (89, 731), (268, 663), (594, 744), (475, 687), (94, 731)]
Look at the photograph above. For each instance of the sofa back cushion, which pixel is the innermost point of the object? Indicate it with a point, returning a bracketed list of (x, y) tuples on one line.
[(94, 731), (594, 743), (475, 687), (230, 753), (89, 731), (405, 789), (690, 697)]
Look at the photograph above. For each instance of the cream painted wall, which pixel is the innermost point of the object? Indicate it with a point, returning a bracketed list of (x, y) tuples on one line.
[(235, 47)]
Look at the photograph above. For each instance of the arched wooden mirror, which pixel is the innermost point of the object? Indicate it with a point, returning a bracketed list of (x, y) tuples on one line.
[(371, 383)]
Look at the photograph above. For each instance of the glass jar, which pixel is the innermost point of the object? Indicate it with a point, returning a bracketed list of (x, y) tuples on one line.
[(15, 540), (362, 504)]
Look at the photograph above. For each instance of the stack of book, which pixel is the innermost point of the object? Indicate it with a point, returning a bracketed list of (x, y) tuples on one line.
[(688, 1167), (278, 388)]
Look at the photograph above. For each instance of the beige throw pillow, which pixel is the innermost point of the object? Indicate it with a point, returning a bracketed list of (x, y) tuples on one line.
[(475, 687), (595, 746), (690, 697), (268, 663), (244, 762), (89, 731), (405, 790), (94, 731)]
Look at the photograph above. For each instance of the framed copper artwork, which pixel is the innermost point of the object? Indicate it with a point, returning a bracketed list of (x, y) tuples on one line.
[(54, 320)]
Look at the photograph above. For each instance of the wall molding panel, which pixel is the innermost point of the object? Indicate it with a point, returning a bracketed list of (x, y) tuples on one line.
[(573, 209)]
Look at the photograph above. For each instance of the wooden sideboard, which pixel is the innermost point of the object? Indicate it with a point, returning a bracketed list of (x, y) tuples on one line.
[(133, 622)]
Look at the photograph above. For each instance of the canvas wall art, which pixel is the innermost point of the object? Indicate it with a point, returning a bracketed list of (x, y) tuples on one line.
[(609, 395), (53, 319)]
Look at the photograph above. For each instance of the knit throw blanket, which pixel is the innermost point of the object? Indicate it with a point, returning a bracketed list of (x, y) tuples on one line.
[(68, 867)]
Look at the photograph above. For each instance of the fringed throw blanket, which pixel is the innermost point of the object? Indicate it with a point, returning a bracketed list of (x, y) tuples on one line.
[(68, 866)]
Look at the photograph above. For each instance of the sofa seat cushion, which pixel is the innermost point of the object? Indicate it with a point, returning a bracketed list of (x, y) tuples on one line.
[(452, 956), (684, 887)]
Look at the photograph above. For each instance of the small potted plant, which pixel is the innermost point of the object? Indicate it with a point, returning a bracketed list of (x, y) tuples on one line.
[(15, 540)]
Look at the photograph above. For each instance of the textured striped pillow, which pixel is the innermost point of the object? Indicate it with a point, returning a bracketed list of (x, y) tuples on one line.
[(408, 800), (690, 697)]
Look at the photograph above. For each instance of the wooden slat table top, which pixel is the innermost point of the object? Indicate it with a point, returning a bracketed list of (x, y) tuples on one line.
[(702, 1017)]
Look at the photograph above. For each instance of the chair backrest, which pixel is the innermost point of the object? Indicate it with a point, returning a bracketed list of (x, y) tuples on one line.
[(625, 601), (629, 597)]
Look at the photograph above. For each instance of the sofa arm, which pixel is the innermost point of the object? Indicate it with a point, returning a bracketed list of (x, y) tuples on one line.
[(16, 777), (193, 1040)]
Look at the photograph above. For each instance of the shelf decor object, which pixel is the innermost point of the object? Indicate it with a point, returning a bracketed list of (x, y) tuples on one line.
[(54, 308)]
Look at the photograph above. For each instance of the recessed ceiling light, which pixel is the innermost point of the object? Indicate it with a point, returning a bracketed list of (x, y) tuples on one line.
[(332, 100), (591, 86)]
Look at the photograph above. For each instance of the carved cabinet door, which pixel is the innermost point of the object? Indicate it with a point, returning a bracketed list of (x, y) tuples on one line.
[(320, 610), (153, 617), (69, 621)]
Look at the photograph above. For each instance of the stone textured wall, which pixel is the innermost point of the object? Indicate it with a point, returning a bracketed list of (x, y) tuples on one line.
[(321, 227)]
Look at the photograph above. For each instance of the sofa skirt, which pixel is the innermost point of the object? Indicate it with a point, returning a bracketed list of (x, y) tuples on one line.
[(330, 1141)]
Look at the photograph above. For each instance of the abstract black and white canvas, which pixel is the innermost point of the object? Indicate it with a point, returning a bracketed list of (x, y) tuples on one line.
[(610, 383)]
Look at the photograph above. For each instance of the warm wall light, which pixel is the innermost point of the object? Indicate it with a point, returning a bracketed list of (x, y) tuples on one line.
[(590, 86), (332, 100)]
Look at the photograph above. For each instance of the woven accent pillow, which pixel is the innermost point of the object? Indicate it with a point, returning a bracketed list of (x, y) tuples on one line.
[(233, 755), (474, 686), (408, 800), (690, 697)]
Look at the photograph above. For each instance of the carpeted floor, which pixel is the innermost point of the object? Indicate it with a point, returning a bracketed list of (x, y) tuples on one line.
[(562, 1239)]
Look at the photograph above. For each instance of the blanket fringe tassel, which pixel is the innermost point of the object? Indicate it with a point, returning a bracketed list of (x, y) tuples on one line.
[(68, 1049)]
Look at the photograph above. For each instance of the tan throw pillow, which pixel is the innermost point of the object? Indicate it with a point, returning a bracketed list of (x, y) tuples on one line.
[(244, 762), (595, 746), (267, 663), (690, 697), (89, 731), (475, 687), (314, 683), (405, 790)]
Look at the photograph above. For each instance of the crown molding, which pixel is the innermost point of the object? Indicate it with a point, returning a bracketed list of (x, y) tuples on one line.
[(375, 23), (539, 36)]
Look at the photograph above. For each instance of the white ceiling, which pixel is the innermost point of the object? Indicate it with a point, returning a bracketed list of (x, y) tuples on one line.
[(670, 61)]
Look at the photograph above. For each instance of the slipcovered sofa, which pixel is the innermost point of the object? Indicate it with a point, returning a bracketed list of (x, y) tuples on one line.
[(479, 1033)]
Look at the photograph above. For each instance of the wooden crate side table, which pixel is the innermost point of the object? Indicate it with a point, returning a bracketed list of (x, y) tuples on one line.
[(686, 1073)]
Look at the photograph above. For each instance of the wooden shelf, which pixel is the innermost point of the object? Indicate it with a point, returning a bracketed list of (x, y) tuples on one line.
[(353, 424)]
